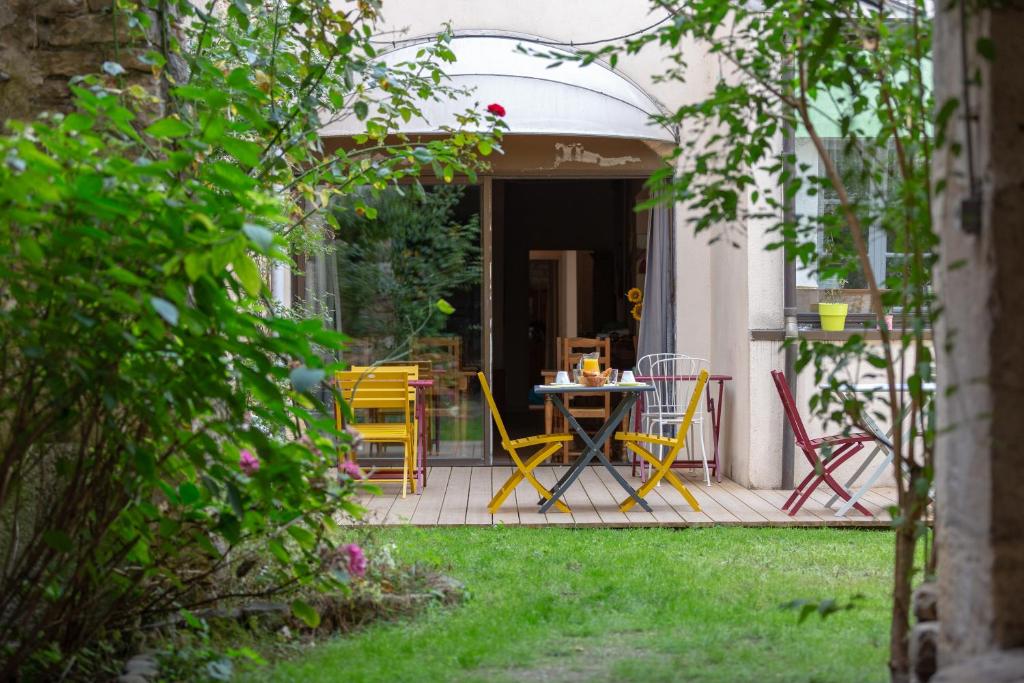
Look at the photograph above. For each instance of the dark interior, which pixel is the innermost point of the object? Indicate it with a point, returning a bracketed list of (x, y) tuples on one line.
[(594, 218)]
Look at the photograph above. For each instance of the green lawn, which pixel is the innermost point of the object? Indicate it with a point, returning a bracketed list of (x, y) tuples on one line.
[(628, 605)]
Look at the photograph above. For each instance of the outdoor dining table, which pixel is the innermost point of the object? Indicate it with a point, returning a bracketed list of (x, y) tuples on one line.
[(882, 439), (593, 445), (714, 411), (422, 435)]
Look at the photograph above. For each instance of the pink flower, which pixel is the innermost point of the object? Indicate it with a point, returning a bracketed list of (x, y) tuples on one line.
[(351, 469), (356, 560), (496, 109), (249, 463)]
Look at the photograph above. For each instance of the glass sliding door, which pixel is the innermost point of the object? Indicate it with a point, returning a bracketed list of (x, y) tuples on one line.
[(403, 261)]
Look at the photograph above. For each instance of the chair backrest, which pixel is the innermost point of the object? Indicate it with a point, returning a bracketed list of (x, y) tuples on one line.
[(424, 367), (407, 367), (646, 363), (486, 389), (692, 406), (673, 377), (444, 352), (387, 389), (574, 347), (789, 405)]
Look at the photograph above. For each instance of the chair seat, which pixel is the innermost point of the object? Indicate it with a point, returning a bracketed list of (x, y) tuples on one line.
[(647, 438), (539, 439), (855, 437), (383, 432)]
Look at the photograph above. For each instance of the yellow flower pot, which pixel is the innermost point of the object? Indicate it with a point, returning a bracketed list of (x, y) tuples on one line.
[(833, 316)]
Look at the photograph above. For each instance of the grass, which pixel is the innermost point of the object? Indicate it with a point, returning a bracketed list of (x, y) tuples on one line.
[(628, 605)]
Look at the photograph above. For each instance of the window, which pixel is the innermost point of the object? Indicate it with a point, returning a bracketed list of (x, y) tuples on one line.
[(870, 192)]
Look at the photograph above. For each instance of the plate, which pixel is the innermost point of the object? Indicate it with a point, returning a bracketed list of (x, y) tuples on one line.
[(631, 384), (567, 384)]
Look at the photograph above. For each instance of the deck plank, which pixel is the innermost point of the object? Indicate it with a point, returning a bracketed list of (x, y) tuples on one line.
[(604, 502), (429, 508), (402, 510), (803, 516), (770, 512), (378, 506), (508, 513), (636, 516), (456, 497), (548, 476), (459, 495), (583, 511), (479, 496)]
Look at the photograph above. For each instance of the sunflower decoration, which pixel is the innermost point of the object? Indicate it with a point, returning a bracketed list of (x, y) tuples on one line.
[(634, 295), (638, 310)]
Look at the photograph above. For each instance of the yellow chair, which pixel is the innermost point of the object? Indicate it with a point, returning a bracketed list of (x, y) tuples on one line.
[(524, 470), (376, 391), (662, 469)]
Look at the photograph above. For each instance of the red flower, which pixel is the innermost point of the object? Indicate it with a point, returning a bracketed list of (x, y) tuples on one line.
[(496, 109)]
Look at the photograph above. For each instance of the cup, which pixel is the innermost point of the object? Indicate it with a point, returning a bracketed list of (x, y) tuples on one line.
[(561, 377), (576, 375), (613, 377), (627, 377)]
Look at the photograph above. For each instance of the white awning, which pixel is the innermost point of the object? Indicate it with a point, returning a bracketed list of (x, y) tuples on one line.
[(592, 100)]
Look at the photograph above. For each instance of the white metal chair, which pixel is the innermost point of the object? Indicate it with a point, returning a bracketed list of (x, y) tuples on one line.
[(673, 376)]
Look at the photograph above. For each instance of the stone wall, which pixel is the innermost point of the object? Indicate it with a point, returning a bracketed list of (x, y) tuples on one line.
[(979, 459), (43, 43)]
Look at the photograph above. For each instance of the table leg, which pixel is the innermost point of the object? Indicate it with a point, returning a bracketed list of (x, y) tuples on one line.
[(865, 487), (593, 449), (879, 447), (716, 427)]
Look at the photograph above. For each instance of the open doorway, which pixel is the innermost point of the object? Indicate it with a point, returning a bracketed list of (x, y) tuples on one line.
[(565, 253)]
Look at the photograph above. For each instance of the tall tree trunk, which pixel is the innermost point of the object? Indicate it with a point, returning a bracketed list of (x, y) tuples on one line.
[(899, 656)]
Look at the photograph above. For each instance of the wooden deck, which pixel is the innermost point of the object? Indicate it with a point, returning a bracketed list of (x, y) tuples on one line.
[(458, 496)]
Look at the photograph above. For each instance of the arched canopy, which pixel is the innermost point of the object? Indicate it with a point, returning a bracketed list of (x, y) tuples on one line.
[(591, 100)]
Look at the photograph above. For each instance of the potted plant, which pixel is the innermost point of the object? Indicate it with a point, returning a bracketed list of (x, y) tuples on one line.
[(832, 309)]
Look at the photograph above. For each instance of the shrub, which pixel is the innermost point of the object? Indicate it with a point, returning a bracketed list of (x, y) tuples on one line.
[(150, 395)]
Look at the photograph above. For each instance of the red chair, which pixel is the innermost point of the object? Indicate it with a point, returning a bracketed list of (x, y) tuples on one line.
[(836, 450)]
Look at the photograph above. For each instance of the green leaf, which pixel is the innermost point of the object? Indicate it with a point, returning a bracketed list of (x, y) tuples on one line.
[(165, 309), (485, 147), (262, 237), (247, 152), (445, 307), (58, 540), (29, 250), (986, 48), (248, 274), (192, 620), (235, 499), (306, 613), (188, 492), (303, 535), (361, 109), (195, 266), (304, 379), (170, 127), (278, 550)]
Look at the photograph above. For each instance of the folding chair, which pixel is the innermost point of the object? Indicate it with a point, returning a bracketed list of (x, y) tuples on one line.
[(835, 449), (380, 392), (662, 468), (524, 470), (415, 371)]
